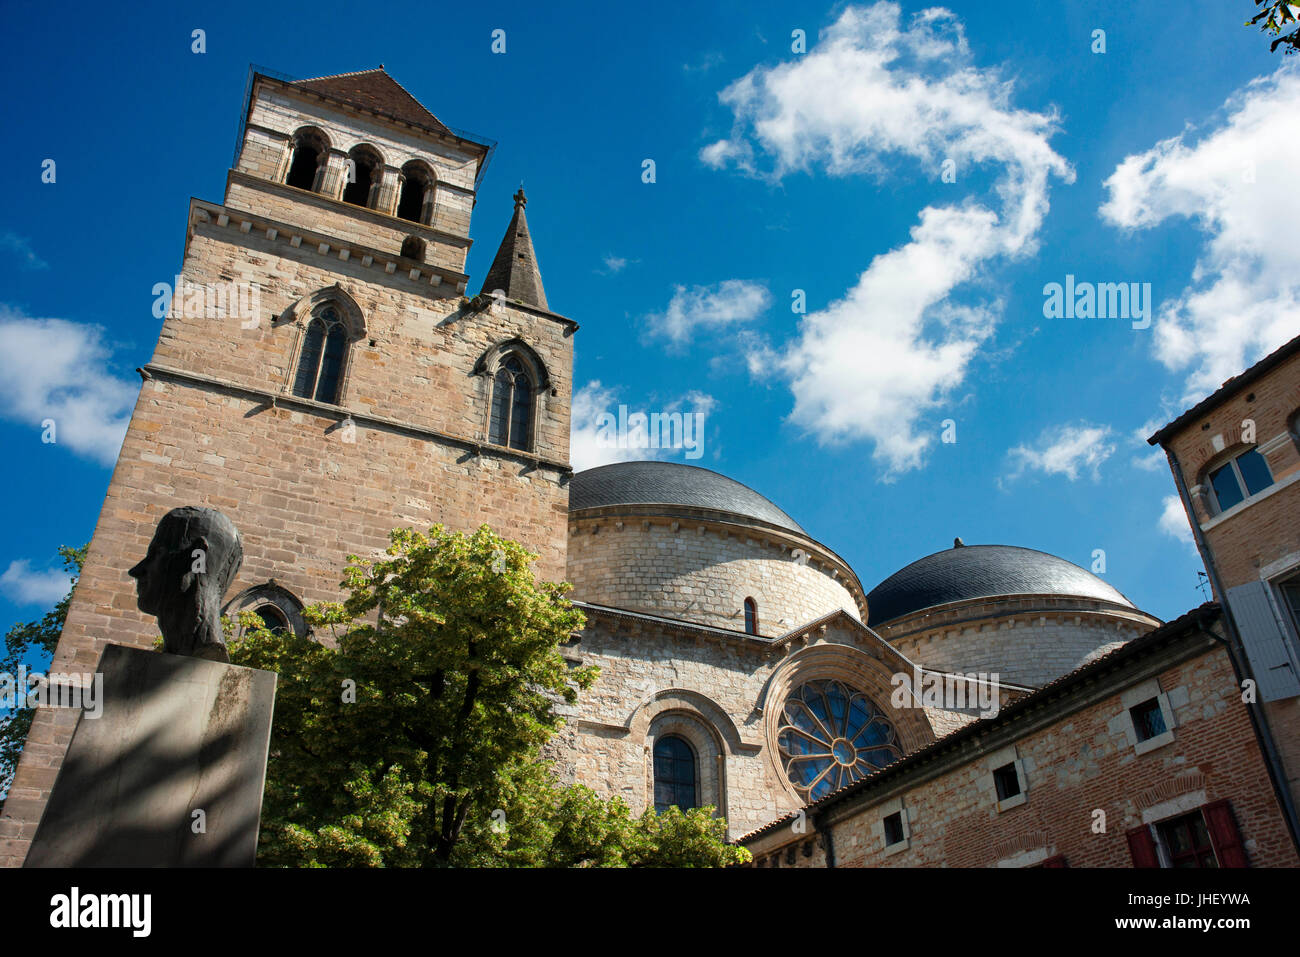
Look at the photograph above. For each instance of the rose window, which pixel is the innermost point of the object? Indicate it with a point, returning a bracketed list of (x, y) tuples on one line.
[(830, 736)]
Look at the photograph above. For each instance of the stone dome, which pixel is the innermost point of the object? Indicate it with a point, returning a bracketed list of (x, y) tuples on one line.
[(968, 572), (685, 542), (671, 483)]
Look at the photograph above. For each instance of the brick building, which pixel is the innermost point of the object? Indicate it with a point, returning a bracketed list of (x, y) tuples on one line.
[(978, 705)]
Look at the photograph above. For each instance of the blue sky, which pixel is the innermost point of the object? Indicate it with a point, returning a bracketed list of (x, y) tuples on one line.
[(1163, 160)]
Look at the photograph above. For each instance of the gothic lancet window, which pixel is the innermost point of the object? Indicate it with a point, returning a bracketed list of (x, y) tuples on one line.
[(751, 617), (512, 406), (674, 767), (320, 362)]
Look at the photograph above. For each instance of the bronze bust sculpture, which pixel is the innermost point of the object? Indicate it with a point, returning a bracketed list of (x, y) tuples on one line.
[(192, 560)]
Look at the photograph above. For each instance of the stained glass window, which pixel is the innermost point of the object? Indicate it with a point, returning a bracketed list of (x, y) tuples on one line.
[(831, 735)]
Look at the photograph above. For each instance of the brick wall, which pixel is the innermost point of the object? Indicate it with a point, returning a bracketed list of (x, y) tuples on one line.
[(1081, 762)]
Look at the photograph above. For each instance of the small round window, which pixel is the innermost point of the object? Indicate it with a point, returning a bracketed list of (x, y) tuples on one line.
[(830, 736)]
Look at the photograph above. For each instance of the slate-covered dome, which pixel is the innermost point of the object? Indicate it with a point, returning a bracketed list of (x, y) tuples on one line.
[(671, 483), (982, 571)]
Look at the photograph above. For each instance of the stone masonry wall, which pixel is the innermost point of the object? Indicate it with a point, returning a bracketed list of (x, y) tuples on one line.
[(1022, 649), (301, 494), (699, 574)]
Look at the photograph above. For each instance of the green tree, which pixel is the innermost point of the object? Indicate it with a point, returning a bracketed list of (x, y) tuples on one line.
[(33, 639), (408, 731), (1280, 18)]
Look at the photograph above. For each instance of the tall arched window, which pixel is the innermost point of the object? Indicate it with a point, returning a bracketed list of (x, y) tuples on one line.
[(308, 149), (512, 406), (751, 617), (674, 764), (363, 167), (320, 363)]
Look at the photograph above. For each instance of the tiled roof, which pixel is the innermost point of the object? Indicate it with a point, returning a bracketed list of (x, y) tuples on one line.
[(982, 571), (1228, 389), (671, 483), (377, 91), (1198, 618)]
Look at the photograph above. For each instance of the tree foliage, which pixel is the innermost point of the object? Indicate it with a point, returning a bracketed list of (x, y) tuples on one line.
[(23, 642), (1281, 19), (409, 729)]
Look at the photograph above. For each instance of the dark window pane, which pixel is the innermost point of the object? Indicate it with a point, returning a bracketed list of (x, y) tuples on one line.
[(1254, 471), (331, 367), (272, 618), (1227, 490), (1187, 840), (304, 383), (1006, 781), (1148, 720), (674, 768), (500, 417), (521, 410), (751, 617), (894, 828)]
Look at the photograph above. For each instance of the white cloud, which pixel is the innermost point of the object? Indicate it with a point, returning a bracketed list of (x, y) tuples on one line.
[(1067, 450), (55, 369), (1238, 183), (1173, 520), (586, 448), (721, 304), (22, 249), (881, 359), (22, 586), (614, 264)]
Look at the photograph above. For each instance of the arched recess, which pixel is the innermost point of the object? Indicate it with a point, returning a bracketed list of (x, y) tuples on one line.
[(305, 159), (703, 724), (363, 175), (277, 597), (301, 313), (856, 669), (417, 191)]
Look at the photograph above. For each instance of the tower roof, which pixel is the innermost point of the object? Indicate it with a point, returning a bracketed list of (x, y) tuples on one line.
[(514, 270), (375, 90)]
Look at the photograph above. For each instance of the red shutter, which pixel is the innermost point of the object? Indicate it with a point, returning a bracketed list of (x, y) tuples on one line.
[(1223, 832), (1057, 861), (1142, 847)]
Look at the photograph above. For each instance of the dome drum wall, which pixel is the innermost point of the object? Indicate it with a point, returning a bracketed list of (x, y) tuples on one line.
[(684, 565), (1026, 640)]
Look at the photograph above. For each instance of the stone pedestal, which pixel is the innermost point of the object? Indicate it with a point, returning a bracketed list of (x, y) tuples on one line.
[(177, 735)]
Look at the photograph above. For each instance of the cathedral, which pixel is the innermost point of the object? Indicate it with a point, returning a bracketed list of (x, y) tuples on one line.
[(979, 707)]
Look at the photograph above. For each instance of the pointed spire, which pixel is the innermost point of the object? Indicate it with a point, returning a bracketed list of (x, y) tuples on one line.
[(514, 271)]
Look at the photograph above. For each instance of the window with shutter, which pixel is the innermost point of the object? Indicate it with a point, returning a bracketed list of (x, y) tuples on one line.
[(1222, 825), (1266, 644), (1142, 846)]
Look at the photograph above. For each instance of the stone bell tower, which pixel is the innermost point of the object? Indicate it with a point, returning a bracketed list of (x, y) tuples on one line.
[(321, 377)]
